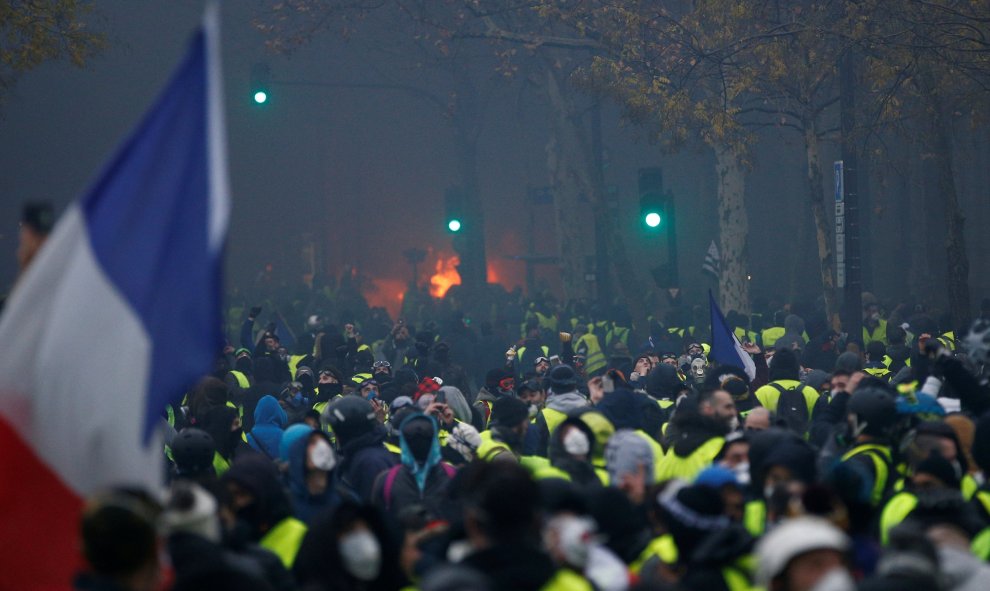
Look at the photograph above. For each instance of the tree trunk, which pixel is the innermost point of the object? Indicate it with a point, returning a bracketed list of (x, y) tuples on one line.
[(940, 147), (823, 233), (572, 161), (733, 226), (563, 164)]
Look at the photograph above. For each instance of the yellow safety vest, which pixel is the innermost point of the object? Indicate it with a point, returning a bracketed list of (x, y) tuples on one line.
[(662, 548), (980, 546), (674, 466), (880, 456), (755, 517), (894, 512), (770, 396), (533, 463), (567, 580), (548, 471), (220, 464), (594, 359), (879, 333), (616, 334), (242, 380), (968, 486), (658, 455), (491, 449), (553, 418), (284, 540), (294, 363), (772, 335)]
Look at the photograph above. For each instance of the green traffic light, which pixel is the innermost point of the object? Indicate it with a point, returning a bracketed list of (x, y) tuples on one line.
[(454, 225), (260, 97), (652, 219)]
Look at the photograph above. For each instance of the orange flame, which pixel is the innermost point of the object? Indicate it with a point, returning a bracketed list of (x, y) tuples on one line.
[(445, 276)]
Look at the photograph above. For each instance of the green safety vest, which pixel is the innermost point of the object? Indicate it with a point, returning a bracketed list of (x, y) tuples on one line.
[(894, 512), (242, 379), (968, 486), (284, 540), (491, 449), (880, 456), (674, 466)]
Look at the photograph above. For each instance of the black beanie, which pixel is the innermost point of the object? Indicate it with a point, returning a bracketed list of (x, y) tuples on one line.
[(508, 411), (784, 366)]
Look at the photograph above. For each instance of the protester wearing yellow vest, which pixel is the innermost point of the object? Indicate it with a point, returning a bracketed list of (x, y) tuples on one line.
[(697, 434), (874, 413), (563, 399), (261, 504), (509, 423)]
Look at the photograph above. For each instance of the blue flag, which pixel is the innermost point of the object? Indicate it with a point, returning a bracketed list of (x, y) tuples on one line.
[(726, 348)]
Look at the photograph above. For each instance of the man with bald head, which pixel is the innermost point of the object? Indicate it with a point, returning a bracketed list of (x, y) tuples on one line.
[(758, 419)]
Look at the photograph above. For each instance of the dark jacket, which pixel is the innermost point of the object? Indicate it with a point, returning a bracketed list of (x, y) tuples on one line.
[(513, 566), (319, 566), (202, 564), (405, 493), (364, 458)]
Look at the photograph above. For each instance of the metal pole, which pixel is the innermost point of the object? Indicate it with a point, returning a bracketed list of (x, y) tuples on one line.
[(852, 308)]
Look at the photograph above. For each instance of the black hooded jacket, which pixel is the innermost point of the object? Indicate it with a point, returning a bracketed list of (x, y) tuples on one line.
[(364, 458)]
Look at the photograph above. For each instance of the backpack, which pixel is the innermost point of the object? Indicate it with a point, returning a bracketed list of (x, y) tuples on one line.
[(792, 408), (393, 473)]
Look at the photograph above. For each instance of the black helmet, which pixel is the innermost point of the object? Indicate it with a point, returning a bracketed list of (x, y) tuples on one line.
[(562, 378), (875, 409), (192, 452), (350, 416)]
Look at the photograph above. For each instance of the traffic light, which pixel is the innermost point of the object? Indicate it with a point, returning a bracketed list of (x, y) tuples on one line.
[(652, 199), (454, 210), (261, 77)]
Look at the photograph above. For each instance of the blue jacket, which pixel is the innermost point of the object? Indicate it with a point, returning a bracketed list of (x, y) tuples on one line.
[(305, 505), (269, 421)]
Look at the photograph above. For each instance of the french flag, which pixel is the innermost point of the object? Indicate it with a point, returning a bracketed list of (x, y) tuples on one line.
[(117, 316), (726, 348)]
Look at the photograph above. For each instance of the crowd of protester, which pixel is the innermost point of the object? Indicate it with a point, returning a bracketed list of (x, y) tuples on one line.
[(552, 447)]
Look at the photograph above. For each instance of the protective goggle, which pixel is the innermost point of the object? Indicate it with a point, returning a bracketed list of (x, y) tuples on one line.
[(507, 383), (380, 364), (540, 360)]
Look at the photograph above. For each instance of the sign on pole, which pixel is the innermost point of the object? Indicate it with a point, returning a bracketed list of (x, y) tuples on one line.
[(840, 225)]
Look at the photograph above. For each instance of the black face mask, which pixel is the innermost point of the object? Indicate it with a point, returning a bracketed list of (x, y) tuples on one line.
[(330, 390)]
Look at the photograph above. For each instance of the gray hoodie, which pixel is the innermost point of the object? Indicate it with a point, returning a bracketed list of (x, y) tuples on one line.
[(567, 401)]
